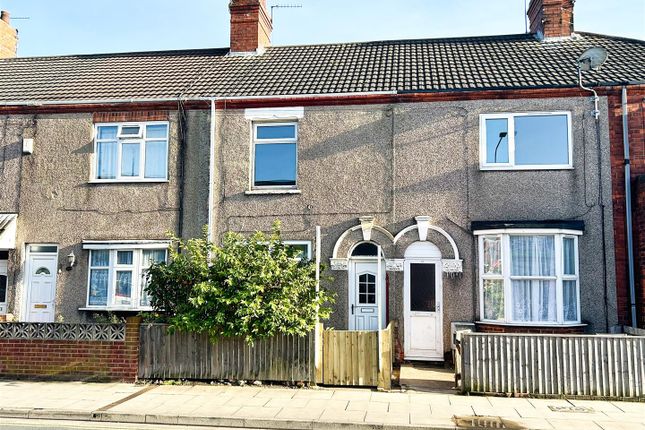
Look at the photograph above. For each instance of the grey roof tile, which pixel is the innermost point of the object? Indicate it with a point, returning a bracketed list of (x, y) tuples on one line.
[(492, 62)]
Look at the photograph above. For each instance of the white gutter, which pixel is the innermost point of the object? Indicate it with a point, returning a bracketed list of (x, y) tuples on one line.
[(177, 99)]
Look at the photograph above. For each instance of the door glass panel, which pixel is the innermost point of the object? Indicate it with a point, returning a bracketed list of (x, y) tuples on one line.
[(3, 288), (43, 248), (366, 289), (43, 271), (423, 291)]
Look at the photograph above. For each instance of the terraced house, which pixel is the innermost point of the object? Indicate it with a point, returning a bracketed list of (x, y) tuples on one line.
[(464, 180)]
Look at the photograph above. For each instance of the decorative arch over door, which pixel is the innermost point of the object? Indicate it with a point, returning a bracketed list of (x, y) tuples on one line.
[(367, 226)]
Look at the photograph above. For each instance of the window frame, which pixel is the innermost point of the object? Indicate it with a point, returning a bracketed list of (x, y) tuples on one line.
[(121, 139), (510, 117), (255, 141), (301, 242), (505, 235), (137, 275)]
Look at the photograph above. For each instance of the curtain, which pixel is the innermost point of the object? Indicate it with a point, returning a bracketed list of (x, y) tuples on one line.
[(533, 299)]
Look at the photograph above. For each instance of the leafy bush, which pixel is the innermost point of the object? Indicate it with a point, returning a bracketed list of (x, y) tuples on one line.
[(252, 287)]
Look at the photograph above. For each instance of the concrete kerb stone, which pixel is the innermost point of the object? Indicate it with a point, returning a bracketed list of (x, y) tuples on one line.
[(53, 414), (14, 413), (255, 423)]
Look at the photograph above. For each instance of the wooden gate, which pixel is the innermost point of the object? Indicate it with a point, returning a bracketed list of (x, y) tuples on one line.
[(351, 358)]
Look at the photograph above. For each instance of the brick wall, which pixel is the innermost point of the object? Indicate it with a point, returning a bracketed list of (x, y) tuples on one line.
[(72, 359), (499, 328), (552, 18), (639, 245), (8, 37), (250, 25), (636, 120)]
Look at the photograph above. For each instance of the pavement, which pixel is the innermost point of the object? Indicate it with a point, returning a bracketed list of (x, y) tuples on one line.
[(269, 407)]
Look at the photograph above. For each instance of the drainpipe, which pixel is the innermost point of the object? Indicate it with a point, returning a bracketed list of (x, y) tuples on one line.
[(317, 349), (628, 210), (211, 171)]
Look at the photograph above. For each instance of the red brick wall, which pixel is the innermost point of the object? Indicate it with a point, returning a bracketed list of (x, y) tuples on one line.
[(636, 120), (553, 18), (72, 359), (639, 245), (250, 25), (499, 328)]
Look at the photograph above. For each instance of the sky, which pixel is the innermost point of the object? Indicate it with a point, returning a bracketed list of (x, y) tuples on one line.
[(58, 27)]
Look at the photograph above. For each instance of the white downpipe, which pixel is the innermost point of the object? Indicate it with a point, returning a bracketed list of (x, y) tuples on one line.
[(317, 357), (379, 317), (211, 171)]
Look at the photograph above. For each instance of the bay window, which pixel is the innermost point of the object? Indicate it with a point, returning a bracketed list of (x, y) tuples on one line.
[(117, 275), (529, 277), (131, 152)]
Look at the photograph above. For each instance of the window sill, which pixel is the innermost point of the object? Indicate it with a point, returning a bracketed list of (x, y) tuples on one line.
[(522, 168), (260, 192), (531, 324), (114, 309), (128, 181)]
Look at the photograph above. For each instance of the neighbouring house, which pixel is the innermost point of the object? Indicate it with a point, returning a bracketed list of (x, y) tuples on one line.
[(461, 180)]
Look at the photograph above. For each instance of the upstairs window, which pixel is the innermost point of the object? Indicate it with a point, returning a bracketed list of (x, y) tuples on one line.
[(275, 155), (529, 141), (131, 152)]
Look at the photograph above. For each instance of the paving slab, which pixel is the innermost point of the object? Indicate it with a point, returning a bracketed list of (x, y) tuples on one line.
[(307, 409), (396, 418)]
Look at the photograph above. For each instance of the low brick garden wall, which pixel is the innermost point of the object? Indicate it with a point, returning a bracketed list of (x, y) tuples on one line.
[(70, 351)]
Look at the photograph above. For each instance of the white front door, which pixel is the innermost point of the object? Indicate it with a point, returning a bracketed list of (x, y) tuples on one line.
[(41, 287), (422, 313), (366, 295)]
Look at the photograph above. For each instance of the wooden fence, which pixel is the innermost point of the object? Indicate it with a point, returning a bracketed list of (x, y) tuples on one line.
[(553, 365), (356, 358), (190, 356)]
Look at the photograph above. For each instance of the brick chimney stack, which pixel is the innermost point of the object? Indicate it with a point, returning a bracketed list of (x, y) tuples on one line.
[(8, 37), (551, 18), (250, 26)]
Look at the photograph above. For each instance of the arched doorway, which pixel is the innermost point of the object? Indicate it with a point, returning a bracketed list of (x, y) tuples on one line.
[(366, 287), (423, 294)]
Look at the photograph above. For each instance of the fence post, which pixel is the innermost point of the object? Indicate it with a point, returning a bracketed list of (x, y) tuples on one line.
[(318, 356), (385, 352)]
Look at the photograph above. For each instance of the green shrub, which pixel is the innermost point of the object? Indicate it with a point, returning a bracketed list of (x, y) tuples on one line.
[(253, 287)]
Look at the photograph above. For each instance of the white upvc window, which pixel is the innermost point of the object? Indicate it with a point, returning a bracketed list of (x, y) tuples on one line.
[(525, 141), (274, 155), (117, 276), (302, 246), (131, 152), (529, 277)]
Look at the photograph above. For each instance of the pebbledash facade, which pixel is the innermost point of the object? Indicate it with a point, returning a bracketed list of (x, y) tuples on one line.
[(453, 180)]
